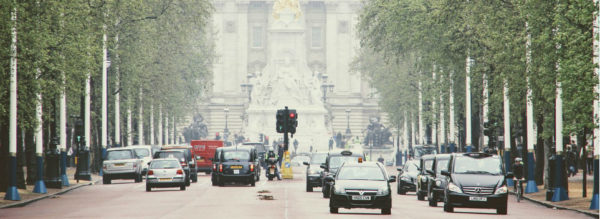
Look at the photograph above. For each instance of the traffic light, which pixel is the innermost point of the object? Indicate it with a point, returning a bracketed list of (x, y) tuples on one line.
[(292, 121), (281, 121)]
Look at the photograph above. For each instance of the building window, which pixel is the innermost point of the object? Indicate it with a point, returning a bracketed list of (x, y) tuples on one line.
[(343, 27), (257, 37), (316, 38), (230, 27)]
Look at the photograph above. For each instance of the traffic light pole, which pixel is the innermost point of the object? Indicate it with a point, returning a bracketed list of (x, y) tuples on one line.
[(286, 141)]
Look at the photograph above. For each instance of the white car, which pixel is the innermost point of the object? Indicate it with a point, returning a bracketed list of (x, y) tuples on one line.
[(121, 163), (143, 152)]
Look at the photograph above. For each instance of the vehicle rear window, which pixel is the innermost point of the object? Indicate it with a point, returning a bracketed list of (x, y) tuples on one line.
[(236, 156), (164, 164), (318, 158), (420, 151), (471, 165), (119, 155), (170, 154), (337, 161), (142, 152), (428, 164), (411, 167), (360, 173)]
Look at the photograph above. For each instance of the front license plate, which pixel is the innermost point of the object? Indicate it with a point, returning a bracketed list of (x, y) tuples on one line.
[(236, 167), (478, 199), (361, 197), (164, 179), (236, 171)]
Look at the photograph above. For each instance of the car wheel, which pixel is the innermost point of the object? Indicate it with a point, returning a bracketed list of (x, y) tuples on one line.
[(214, 181), (221, 182), (502, 210), (432, 199), (187, 181), (386, 211), (420, 195), (105, 179), (148, 188), (252, 182), (138, 178), (309, 188), (182, 187), (270, 178), (448, 207), (195, 178), (333, 210)]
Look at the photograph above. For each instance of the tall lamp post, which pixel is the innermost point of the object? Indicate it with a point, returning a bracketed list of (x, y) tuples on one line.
[(325, 87), (226, 131), (348, 132)]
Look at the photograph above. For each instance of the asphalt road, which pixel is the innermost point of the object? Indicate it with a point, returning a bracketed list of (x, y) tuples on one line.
[(125, 199)]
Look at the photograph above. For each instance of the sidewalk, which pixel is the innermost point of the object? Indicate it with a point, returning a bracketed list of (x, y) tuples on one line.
[(575, 203), (27, 196)]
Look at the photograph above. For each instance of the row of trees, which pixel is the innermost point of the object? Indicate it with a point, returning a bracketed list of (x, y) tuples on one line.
[(160, 54), (413, 46)]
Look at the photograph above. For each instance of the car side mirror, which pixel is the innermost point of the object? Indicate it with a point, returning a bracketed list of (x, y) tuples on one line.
[(510, 175), (191, 162), (197, 157), (445, 173), (392, 179), (430, 172), (399, 169), (149, 163), (323, 166), (305, 163), (329, 178)]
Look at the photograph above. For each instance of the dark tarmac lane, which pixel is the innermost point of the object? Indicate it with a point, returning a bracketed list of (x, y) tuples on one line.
[(125, 199)]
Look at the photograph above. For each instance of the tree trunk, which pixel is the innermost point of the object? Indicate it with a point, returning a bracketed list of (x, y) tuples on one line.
[(539, 153), (4, 157), (21, 159), (30, 155), (547, 153)]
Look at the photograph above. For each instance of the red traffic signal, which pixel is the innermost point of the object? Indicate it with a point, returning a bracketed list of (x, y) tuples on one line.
[(292, 115)]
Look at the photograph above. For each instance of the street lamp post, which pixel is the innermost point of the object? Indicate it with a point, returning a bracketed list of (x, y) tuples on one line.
[(348, 122), (326, 86)]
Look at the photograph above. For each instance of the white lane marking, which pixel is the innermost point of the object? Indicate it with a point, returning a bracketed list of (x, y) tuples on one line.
[(286, 202)]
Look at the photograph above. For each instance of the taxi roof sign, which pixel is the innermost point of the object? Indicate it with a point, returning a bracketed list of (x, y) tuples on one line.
[(346, 153)]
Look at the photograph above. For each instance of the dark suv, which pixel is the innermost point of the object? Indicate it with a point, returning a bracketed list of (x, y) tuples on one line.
[(334, 160), (313, 170), (437, 182), (476, 180), (425, 163)]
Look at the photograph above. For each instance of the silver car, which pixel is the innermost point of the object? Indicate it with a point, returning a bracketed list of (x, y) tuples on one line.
[(121, 163), (165, 172)]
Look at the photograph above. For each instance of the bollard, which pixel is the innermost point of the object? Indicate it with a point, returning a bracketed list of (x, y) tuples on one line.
[(53, 178), (40, 186), (83, 166)]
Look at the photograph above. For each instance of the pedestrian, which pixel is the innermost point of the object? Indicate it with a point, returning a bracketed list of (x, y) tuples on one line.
[(570, 161), (330, 143), (311, 148)]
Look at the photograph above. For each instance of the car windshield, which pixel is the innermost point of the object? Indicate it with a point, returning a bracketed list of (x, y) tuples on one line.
[(360, 173), (236, 156), (318, 158), (472, 165), (119, 155), (142, 152), (428, 164), (412, 167), (164, 164), (170, 154), (441, 165), (260, 148), (337, 161)]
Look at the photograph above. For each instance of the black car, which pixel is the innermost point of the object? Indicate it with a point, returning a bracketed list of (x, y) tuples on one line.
[(361, 185), (237, 164), (476, 180), (425, 163), (407, 177), (334, 160), (437, 182), (260, 150), (313, 170), (179, 155), (214, 178)]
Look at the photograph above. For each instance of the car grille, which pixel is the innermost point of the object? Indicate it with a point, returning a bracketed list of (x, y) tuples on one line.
[(358, 191), (478, 190)]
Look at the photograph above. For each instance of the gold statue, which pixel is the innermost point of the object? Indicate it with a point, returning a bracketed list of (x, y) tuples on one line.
[(293, 5)]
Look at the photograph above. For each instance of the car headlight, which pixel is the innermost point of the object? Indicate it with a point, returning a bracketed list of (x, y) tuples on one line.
[(313, 172), (339, 191), (383, 191), (405, 178), (501, 190), (454, 188), (438, 183)]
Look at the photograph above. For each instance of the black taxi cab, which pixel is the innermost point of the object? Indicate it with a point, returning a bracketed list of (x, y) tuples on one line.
[(334, 160), (361, 185), (236, 164)]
